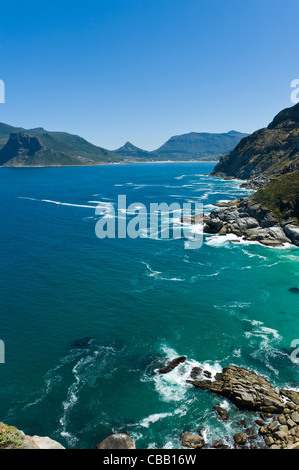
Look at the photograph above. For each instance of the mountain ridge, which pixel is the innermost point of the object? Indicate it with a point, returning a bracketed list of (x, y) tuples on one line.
[(58, 148), (189, 146)]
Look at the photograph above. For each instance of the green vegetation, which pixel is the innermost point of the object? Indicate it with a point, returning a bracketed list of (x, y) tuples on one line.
[(10, 437), (281, 196)]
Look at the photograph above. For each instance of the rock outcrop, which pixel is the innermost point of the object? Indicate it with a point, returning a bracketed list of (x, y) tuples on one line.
[(172, 364), (245, 389), (278, 423), (251, 221)]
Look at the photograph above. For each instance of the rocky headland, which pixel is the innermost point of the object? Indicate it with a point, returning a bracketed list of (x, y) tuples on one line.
[(268, 161)]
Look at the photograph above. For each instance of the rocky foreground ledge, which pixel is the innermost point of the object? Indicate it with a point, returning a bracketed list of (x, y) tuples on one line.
[(251, 221), (13, 438)]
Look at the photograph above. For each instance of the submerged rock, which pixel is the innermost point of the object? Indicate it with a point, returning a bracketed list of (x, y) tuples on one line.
[(117, 441), (294, 290)]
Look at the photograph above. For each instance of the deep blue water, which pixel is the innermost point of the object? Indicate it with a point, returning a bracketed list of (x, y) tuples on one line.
[(86, 322)]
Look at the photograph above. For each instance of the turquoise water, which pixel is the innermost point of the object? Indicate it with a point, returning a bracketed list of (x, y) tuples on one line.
[(86, 322)]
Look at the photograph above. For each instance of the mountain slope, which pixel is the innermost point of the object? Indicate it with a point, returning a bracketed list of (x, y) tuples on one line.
[(267, 152), (199, 144), (54, 149)]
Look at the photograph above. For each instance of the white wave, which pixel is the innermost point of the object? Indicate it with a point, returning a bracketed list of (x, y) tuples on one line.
[(173, 386), (67, 204), (145, 423), (158, 274)]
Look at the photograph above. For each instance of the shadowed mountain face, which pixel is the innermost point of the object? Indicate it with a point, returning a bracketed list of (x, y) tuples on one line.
[(192, 146), (20, 146), (38, 147), (267, 152)]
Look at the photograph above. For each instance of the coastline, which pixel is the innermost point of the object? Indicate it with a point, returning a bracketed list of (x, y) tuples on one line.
[(111, 163)]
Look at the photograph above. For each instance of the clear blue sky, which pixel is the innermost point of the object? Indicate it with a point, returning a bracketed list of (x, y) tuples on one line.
[(144, 70)]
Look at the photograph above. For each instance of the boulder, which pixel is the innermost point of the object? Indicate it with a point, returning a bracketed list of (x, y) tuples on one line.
[(117, 441), (221, 412), (292, 232), (45, 442), (240, 438), (192, 440)]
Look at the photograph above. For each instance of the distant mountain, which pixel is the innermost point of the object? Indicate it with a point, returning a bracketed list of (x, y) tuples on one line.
[(267, 152), (38, 147), (192, 146), (196, 145), (131, 151)]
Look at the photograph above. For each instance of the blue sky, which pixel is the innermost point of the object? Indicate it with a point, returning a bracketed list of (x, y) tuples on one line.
[(144, 70)]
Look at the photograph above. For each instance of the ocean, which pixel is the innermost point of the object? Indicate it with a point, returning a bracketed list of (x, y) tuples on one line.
[(87, 322)]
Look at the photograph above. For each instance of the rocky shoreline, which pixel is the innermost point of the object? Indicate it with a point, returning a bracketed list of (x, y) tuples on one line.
[(275, 414), (251, 221)]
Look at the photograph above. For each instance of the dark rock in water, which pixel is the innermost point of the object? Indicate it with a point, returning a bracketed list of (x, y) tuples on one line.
[(249, 431), (259, 422), (201, 430), (218, 444), (172, 364), (245, 389), (207, 373), (195, 372), (192, 440), (294, 290), (222, 412), (81, 343), (117, 441), (242, 422)]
